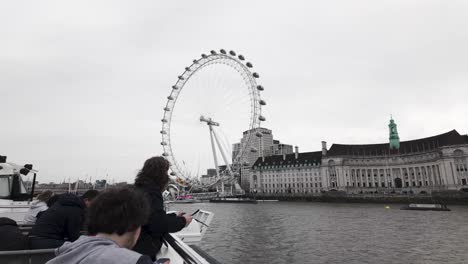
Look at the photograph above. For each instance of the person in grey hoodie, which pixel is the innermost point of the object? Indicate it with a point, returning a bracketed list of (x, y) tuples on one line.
[(115, 220), (37, 206)]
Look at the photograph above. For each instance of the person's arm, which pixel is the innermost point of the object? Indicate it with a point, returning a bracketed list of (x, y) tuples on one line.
[(175, 223), (160, 222)]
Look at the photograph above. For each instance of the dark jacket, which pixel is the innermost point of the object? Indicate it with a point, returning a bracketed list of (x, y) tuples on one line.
[(62, 221), (159, 223), (11, 236)]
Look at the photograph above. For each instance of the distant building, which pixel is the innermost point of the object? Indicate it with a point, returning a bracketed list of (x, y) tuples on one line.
[(99, 184), (288, 173), (432, 163), (278, 149), (261, 145), (211, 172)]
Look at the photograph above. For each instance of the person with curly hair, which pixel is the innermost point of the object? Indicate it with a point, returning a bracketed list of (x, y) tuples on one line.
[(152, 179)]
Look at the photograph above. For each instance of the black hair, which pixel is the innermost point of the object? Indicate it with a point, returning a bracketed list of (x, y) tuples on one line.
[(118, 211), (154, 172), (90, 195)]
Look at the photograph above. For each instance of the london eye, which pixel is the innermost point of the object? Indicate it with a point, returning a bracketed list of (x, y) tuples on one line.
[(212, 102)]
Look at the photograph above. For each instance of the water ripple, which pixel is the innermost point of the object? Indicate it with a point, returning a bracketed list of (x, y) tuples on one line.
[(288, 232)]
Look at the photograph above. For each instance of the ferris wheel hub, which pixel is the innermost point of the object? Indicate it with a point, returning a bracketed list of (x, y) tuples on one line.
[(209, 121)]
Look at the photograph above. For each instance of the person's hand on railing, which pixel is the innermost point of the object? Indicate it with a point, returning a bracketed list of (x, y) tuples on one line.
[(180, 213), (188, 218)]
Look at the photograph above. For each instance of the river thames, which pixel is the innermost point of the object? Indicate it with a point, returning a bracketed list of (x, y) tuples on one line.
[(301, 232)]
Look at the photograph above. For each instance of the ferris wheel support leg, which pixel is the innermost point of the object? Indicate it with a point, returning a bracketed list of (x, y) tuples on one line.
[(222, 153), (214, 151)]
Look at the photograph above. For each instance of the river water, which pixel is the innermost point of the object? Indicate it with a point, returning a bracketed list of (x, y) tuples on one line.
[(301, 232)]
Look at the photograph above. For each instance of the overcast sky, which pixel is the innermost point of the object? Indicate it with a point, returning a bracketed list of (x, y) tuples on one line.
[(83, 83)]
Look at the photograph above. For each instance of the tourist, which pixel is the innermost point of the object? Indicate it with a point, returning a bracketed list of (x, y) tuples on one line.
[(115, 220), (37, 206), (152, 179), (62, 222), (12, 237)]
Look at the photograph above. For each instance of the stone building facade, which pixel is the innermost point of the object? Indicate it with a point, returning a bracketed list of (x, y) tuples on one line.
[(261, 144), (434, 163), (438, 162)]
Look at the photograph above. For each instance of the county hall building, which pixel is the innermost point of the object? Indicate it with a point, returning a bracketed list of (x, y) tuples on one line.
[(434, 163)]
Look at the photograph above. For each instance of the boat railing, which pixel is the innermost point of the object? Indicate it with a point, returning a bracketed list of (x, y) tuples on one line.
[(186, 253), (183, 254), (32, 256)]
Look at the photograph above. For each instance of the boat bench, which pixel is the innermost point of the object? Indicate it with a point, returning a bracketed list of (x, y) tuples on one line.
[(34, 256)]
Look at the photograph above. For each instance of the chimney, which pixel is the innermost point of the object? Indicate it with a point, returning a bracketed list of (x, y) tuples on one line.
[(324, 148), (296, 153)]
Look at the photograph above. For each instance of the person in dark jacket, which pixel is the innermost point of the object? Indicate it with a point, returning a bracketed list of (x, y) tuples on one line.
[(37, 206), (61, 222), (152, 179), (12, 237), (115, 220)]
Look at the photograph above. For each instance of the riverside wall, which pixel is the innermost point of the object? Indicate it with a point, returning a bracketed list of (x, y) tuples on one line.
[(443, 197)]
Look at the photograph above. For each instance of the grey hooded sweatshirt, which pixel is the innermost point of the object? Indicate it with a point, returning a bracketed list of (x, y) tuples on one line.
[(35, 208), (88, 250)]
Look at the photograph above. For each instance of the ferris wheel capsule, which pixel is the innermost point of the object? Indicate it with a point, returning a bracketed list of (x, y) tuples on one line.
[(248, 64), (175, 87), (262, 102), (163, 143), (172, 98), (167, 109), (165, 154), (213, 52), (253, 150), (164, 120), (255, 75), (163, 132), (259, 134), (232, 53), (187, 69), (204, 56), (222, 51), (195, 61), (173, 173), (261, 118), (241, 57), (260, 88)]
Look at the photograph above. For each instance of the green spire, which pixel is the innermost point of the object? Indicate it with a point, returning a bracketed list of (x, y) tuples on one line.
[(394, 139)]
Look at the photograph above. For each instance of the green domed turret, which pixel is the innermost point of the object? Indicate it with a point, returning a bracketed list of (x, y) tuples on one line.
[(394, 139)]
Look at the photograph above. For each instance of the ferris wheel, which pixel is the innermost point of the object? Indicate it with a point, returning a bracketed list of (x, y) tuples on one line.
[(251, 112)]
